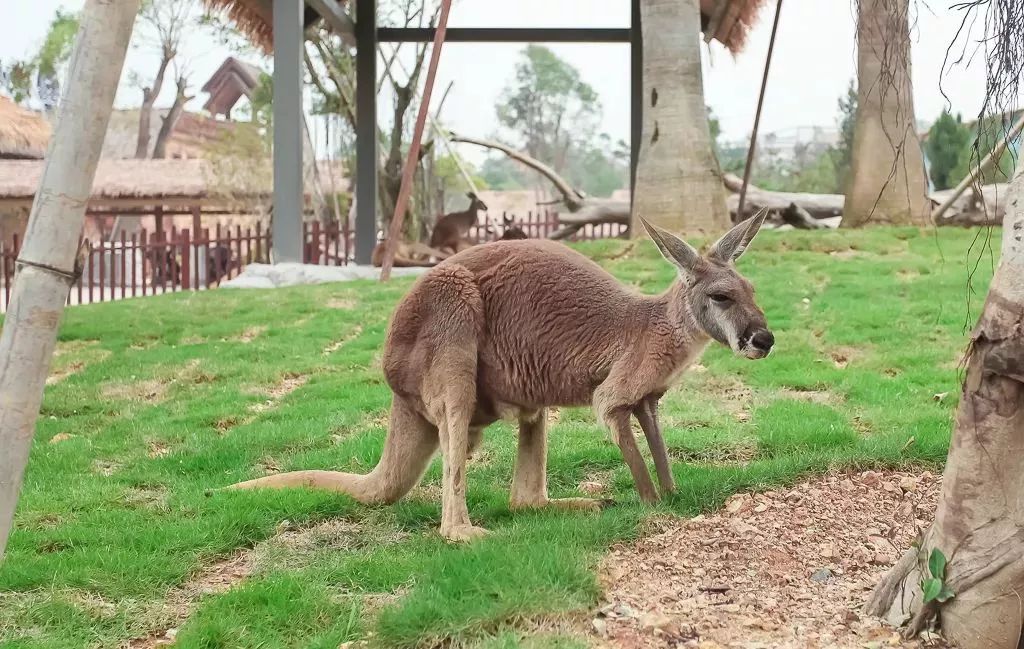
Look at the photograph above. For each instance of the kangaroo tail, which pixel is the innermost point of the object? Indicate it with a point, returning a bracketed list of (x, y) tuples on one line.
[(408, 449)]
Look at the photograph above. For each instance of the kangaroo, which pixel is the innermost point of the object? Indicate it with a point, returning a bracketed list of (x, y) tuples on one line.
[(510, 328), (451, 230), (512, 231), (408, 255)]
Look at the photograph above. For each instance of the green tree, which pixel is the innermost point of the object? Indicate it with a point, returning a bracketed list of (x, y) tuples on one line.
[(986, 136), (40, 74), (549, 107), (842, 154), (502, 173), (947, 142)]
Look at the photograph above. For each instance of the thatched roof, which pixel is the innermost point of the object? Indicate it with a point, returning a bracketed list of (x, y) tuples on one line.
[(150, 180), (232, 80), (255, 18), (729, 21), (193, 135), (24, 134)]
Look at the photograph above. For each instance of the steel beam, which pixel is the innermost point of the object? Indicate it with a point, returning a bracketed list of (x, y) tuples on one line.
[(505, 35), (287, 105), (366, 129)]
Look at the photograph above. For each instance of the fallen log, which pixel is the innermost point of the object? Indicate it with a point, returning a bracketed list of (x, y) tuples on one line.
[(969, 209), (818, 206)]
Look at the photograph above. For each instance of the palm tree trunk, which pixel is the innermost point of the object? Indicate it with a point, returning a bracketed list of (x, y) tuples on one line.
[(887, 177), (979, 525), (678, 183), (47, 262)]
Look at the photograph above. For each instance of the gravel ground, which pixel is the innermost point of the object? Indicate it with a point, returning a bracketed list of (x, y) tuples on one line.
[(775, 570)]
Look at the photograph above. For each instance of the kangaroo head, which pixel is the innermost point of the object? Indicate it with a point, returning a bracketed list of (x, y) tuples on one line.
[(476, 203), (720, 299)]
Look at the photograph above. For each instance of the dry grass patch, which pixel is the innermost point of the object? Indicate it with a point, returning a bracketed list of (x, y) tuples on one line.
[(250, 334), (338, 344), (73, 356), (342, 303), (731, 394)]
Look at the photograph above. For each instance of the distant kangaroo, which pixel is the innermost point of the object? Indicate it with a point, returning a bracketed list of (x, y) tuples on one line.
[(451, 230), (510, 328), (512, 231)]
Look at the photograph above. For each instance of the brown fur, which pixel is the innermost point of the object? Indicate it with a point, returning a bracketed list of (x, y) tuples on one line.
[(510, 328), (451, 230)]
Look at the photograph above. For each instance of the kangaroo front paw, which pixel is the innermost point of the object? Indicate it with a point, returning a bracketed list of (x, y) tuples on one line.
[(463, 533)]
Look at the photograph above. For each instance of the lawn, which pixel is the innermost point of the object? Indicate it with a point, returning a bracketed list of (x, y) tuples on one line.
[(155, 402)]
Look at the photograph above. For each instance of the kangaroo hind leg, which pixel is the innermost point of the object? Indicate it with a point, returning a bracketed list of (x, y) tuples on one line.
[(530, 482)]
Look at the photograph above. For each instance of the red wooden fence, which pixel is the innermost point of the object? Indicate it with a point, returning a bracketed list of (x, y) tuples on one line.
[(151, 263)]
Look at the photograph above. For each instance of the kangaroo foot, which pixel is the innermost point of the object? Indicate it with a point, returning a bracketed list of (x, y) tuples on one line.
[(463, 533), (577, 504)]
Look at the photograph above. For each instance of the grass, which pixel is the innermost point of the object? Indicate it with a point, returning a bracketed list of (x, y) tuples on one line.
[(156, 401)]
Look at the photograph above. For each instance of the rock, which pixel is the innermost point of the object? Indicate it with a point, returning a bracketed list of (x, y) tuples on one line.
[(760, 509), (742, 528), (908, 483), (292, 274), (822, 575), (655, 620), (870, 478), (600, 626), (828, 551), (882, 559)]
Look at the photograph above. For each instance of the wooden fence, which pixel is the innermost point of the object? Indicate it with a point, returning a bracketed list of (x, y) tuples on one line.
[(151, 263)]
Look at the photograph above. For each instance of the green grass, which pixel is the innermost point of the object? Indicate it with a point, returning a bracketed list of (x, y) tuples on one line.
[(170, 399)]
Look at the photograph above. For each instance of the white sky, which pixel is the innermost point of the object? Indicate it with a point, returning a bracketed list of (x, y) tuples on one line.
[(813, 62)]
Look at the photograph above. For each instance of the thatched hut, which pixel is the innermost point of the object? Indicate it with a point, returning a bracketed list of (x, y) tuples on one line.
[(24, 134), (727, 21)]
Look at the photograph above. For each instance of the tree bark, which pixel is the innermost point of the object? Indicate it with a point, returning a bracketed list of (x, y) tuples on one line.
[(887, 177), (48, 257), (678, 182), (171, 120), (149, 96), (979, 525)]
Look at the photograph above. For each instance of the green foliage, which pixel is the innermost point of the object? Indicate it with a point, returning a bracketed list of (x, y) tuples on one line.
[(447, 171), (173, 402), (502, 173), (947, 141), (991, 132), (847, 119), (40, 74), (934, 588), (554, 114)]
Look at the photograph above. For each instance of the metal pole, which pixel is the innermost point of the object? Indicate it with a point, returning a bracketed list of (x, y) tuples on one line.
[(288, 74), (366, 130), (414, 147), (757, 115), (636, 89)]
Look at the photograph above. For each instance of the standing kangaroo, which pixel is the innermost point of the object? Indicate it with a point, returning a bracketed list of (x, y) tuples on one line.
[(510, 328), (451, 230)]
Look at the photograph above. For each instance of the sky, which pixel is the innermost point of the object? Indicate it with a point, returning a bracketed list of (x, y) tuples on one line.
[(814, 61)]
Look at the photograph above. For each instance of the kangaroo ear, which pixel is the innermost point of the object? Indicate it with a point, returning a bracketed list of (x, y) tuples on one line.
[(681, 254), (471, 195), (734, 242)]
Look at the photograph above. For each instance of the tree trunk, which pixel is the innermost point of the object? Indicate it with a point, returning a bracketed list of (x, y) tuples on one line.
[(149, 96), (48, 256), (887, 176), (171, 120), (678, 183), (979, 525)]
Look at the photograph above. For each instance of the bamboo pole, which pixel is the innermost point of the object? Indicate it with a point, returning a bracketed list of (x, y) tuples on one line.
[(985, 163), (391, 244), (47, 265)]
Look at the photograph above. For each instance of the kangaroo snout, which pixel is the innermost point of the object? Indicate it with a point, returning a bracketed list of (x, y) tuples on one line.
[(759, 344)]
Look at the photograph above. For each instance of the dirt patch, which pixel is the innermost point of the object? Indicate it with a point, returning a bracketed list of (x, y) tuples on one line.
[(843, 356), (289, 383), (338, 344), (810, 394), (343, 303), (151, 391), (738, 454), (72, 357), (731, 394), (250, 334), (783, 569), (181, 601)]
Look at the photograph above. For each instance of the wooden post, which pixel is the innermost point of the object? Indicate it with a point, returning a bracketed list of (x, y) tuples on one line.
[(391, 243), (186, 245), (47, 264)]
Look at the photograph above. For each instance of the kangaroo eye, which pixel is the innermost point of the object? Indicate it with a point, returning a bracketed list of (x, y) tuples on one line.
[(720, 298)]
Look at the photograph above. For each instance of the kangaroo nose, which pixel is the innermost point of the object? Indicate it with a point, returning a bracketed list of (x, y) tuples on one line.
[(763, 340)]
